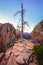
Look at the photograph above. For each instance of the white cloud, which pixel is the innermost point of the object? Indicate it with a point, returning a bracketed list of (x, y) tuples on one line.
[(27, 29), (14, 22)]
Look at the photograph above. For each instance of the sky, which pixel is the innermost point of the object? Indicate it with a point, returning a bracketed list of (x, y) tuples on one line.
[(33, 12)]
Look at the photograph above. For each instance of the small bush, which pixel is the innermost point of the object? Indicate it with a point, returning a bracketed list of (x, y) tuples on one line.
[(38, 51), (8, 45)]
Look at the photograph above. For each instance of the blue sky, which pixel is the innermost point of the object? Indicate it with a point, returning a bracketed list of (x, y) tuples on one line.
[(33, 11)]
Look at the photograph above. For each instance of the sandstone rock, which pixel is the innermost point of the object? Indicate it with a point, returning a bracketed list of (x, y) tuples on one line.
[(1, 56), (26, 55), (3, 62), (7, 54), (37, 33), (33, 63), (20, 60), (22, 57), (7, 36), (19, 44), (19, 48), (12, 60), (16, 55)]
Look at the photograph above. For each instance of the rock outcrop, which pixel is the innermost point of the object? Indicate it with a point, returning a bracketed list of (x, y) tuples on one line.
[(7, 36), (37, 33), (19, 54)]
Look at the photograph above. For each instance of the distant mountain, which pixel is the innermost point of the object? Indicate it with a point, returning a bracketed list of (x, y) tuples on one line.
[(26, 35), (37, 33)]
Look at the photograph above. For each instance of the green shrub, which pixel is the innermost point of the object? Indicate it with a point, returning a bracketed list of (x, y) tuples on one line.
[(38, 51), (8, 45)]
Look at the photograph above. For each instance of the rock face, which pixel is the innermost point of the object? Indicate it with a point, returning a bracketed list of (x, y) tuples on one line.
[(38, 32), (7, 35), (39, 27), (19, 54)]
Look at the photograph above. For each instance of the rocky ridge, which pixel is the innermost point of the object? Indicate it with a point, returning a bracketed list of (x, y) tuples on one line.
[(37, 33)]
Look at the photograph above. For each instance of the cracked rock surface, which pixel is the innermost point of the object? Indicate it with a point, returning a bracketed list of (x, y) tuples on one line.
[(18, 54)]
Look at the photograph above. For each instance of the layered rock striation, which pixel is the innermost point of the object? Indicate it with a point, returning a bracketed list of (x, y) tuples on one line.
[(37, 33), (7, 36)]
